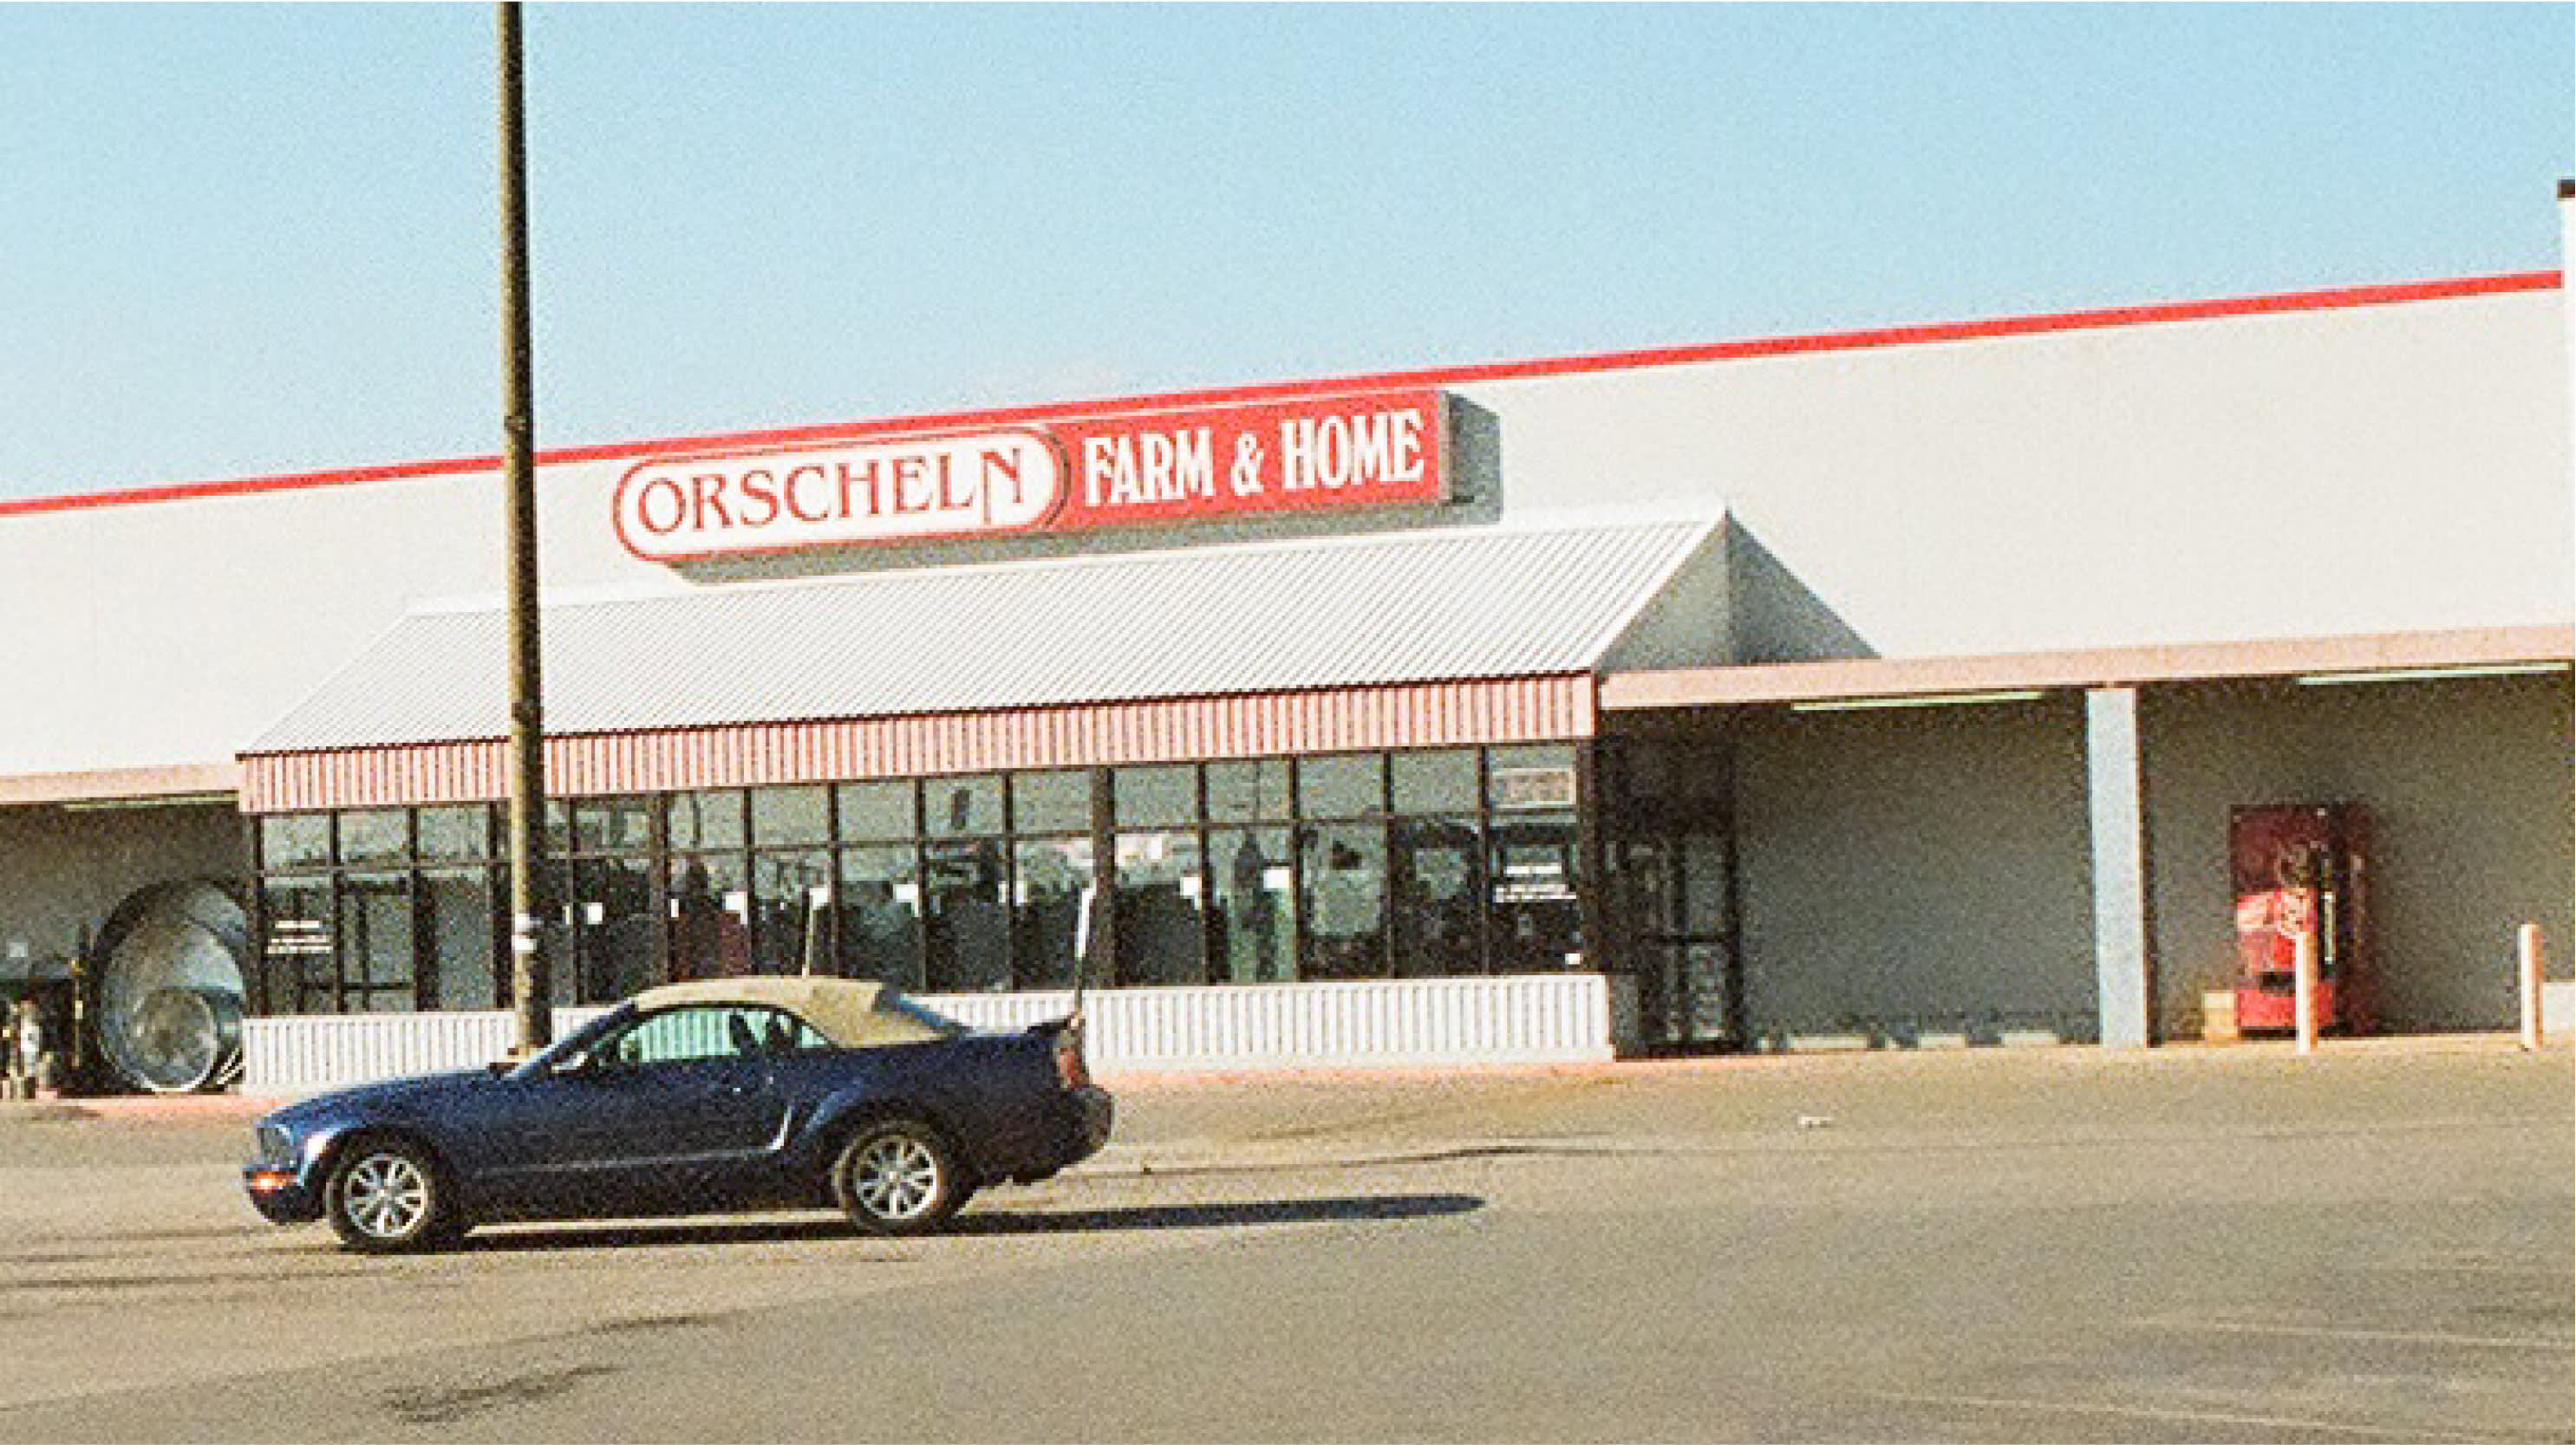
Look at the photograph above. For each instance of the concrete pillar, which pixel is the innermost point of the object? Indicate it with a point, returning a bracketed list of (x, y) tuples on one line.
[(2122, 963)]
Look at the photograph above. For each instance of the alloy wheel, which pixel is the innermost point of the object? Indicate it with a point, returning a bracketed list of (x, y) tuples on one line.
[(897, 1177), (386, 1196)]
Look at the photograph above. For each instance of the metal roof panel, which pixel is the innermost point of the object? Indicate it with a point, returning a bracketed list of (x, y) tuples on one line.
[(1450, 604)]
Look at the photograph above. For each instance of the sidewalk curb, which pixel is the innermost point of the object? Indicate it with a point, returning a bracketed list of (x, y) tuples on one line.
[(139, 1108)]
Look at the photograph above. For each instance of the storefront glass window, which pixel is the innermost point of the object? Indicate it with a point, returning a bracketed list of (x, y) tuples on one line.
[(1706, 865), (613, 928), (1248, 792), (1344, 871), (1058, 802), (613, 825), (375, 835), (706, 820), (1443, 782), (962, 807), (457, 906), (1050, 916), (1537, 922), (782, 816), (1368, 865), (878, 812), (553, 904), (298, 972), (1438, 878), (879, 933), (1256, 909), (791, 895), (1157, 797), (454, 834), (966, 921), (1535, 776), (710, 916), (1162, 934), (1353, 786), (556, 910), (376, 942), (295, 840)]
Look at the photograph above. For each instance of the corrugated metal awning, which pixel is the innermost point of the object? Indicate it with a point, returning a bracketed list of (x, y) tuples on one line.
[(1425, 607), (1435, 639), (1327, 720)]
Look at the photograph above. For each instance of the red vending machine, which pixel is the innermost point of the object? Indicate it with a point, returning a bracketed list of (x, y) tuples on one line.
[(2302, 868)]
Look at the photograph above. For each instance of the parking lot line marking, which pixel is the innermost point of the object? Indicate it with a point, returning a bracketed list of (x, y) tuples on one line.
[(2435, 1266), (2194, 1417), (2403, 1337)]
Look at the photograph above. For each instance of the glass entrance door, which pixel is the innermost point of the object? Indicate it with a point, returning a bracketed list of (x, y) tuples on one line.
[(1680, 904)]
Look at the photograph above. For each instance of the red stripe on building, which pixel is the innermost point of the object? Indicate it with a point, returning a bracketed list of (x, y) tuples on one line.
[(1995, 328)]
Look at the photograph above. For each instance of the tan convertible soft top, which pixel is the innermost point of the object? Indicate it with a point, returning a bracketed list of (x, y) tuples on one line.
[(852, 1013)]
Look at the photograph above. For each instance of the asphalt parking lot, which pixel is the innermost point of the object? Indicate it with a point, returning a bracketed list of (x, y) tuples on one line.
[(2378, 1243)]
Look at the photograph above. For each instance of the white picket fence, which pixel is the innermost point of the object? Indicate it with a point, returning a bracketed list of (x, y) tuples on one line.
[(1550, 1018)]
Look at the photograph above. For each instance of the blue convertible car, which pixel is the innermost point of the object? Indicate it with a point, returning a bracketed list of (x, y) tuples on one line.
[(695, 1098)]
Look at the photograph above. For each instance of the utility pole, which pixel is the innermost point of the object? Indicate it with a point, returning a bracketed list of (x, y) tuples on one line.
[(529, 991)]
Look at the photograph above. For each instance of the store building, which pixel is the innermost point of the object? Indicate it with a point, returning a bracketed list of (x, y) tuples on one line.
[(1890, 689)]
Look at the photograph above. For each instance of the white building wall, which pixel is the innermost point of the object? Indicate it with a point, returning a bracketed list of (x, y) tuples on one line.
[(1693, 620), (2382, 468), (2470, 793), (170, 632), (1916, 870), (2373, 469), (176, 631), (62, 872)]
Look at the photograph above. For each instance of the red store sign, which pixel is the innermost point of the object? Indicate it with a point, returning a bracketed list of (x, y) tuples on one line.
[(1158, 469)]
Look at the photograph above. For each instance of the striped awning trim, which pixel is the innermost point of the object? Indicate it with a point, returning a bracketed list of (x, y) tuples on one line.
[(1422, 715)]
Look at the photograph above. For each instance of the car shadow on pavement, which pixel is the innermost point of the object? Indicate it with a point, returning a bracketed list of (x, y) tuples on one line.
[(1339, 1210), (634, 1234), (648, 1234)]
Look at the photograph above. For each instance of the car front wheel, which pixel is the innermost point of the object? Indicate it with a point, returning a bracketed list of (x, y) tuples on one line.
[(899, 1177), (388, 1196)]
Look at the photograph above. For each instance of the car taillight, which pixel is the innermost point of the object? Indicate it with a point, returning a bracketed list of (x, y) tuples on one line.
[(1069, 1068)]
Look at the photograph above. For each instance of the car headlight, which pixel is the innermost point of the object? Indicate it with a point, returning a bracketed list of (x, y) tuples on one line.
[(272, 1147)]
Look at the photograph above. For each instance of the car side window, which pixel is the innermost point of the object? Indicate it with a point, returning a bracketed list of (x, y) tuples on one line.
[(682, 1035), (771, 1031), (782, 1033), (677, 1036)]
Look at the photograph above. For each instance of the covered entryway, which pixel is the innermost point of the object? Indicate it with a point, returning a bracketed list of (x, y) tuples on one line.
[(2034, 848), (1669, 825)]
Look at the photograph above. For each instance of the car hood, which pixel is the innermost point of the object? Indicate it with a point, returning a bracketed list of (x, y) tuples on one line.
[(385, 1096)]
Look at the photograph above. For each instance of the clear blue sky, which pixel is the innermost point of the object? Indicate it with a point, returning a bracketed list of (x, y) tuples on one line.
[(242, 240)]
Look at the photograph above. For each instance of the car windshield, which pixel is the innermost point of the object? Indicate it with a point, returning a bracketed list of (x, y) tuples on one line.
[(579, 1041)]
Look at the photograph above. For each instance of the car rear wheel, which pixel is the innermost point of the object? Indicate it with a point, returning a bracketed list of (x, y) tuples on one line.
[(388, 1196), (899, 1176)]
